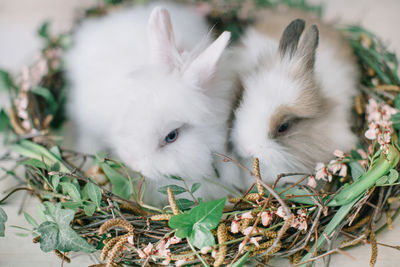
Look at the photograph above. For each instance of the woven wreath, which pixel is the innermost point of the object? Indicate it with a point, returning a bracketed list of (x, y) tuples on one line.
[(100, 208)]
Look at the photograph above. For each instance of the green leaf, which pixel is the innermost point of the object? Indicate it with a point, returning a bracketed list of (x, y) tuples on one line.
[(242, 260), (89, 208), (5, 80), (40, 211), (201, 237), (56, 152), (397, 101), (356, 170), (49, 232), (4, 120), (71, 190), (393, 176), (48, 96), (49, 209), (184, 204), (195, 187), (396, 121), (31, 220), (120, 184), (3, 219), (44, 30), (382, 180), (34, 163), (55, 180), (176, 177), (93, 192), (355, 155), (177, 190), (72, 205), (205, 216)]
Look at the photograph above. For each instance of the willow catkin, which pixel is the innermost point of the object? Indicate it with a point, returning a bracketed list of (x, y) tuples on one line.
[(222, 235), (108, 244), (161, 217), (389, 220), (62, 256), (374, 249), (256, 169), (116, 222), (172, 202), (359, 224), (117, 248)]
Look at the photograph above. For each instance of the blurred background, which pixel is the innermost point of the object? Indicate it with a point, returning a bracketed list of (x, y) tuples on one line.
[(19, 44)]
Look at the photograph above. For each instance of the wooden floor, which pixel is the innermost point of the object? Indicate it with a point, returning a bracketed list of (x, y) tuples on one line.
[(19, 20)]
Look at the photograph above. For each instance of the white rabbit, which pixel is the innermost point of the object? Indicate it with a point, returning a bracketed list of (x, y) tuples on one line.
[(144, 87), (296, 105)]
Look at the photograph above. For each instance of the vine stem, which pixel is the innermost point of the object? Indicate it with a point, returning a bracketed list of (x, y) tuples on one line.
[(197, 254)]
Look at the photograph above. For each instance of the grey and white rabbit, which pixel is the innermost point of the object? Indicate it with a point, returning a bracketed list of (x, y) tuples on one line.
[(298, 90), (152, 88)]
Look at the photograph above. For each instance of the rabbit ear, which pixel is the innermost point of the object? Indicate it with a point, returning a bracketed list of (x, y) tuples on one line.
[(290, 38), (201, 70), (308, 46), (161, 38)]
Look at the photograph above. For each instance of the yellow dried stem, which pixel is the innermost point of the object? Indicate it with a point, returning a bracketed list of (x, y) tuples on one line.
[(36, 239), (359, 105), (371, 72), (47, 120), (256, 169), (117, 248), (15, 123), (161, 217), (358, 225), (62, 256), (116, 222), (172, 202), (374, 249), (388, 87), (389, 220), (296, 257), (222, 234)]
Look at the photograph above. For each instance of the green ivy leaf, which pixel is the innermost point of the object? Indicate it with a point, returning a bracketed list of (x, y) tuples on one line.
[(201, 237), (198, 221), (381, 181), (176, 189), (3, 219), (356, 170), (195, 187), (71, 190), (242, 260), (93, 192), (48, 236), (31, 220)]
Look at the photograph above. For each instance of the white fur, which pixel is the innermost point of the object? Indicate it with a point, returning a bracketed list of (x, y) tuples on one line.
[(268, 87), (134, 80)]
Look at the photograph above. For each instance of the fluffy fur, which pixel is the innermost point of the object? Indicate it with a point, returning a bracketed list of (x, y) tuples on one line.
[(136, 76), (305, 85)]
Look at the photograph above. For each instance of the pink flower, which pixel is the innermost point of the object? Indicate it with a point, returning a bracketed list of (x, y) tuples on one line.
[(255, 240), (362, 153), (214, 253), (372, 132), (235, 227), (166, 261), (205, 250), (339, 154), (266, 217), (249, 229), (148, 249), (175, 240), (281, 213), (247, 215), (142, 255), (311, 182), (241, 245), (162, 250), (343, 171), (322, 172), (180, 262), (130, 240)]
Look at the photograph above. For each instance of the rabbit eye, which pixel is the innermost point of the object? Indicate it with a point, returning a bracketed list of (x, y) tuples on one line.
[(283, 127), (172, 136)]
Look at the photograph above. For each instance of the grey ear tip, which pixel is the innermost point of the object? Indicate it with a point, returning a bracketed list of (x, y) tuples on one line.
[(298, 23)]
